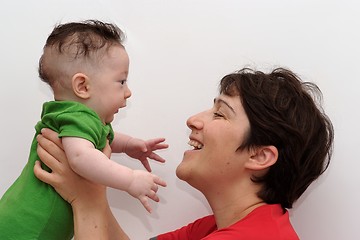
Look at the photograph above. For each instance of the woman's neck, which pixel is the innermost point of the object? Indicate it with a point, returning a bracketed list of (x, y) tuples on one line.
[(229, 208), (226, 217)]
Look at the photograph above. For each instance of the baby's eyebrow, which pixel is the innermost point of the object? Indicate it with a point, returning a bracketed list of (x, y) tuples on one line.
[(221, 101)]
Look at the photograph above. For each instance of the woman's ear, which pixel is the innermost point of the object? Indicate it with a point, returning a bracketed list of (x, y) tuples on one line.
[(81, 85), (262, 157)]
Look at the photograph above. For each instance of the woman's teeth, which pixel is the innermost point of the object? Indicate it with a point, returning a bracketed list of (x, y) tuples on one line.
[(195, 144)]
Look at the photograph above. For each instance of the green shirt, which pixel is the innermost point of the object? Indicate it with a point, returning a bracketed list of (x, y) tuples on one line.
[(31, 209)]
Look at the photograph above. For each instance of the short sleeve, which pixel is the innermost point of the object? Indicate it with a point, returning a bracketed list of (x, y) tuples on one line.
[(72, 119), (80, 124)]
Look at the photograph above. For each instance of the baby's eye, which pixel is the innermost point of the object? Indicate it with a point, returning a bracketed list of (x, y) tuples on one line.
[(123, 82)]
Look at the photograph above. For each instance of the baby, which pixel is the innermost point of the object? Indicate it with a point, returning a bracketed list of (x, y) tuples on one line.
[(86, 66)]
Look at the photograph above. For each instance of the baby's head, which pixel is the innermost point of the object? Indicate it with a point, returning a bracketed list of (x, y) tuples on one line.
[(76, 47), (83, 61)]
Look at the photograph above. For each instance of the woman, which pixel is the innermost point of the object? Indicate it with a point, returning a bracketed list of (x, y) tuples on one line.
[(255, 152)]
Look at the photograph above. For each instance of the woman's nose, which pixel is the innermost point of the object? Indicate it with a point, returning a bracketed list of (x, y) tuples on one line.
[(195, 121)]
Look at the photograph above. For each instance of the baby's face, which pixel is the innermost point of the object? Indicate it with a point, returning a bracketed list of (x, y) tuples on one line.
[(109, 89)]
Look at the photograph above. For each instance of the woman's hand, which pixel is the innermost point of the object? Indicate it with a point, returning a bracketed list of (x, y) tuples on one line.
[(66, 182), (93, 218)]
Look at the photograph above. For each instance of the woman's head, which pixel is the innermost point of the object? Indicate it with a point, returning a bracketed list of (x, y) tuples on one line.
[(283, 113), (215, 166)]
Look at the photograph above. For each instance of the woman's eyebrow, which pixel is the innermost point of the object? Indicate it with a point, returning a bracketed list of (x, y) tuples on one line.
[(221, 101)]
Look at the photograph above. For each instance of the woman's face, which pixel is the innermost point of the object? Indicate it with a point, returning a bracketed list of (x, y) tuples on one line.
[(216, 135)]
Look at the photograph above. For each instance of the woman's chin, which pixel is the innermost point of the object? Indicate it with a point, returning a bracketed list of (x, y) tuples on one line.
[(181, 172)]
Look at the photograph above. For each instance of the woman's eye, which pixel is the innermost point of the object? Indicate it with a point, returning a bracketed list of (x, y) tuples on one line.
[(217, 115)]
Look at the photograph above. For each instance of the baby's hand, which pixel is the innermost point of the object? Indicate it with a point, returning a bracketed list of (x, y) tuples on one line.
[(142, 150), (145, 185)]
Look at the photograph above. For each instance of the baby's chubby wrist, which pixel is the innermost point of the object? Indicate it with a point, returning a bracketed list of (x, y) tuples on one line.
[(127, 141)]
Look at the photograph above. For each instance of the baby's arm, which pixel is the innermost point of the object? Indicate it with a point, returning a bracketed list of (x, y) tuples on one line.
[(120, 141), (95, 166), (138, 148)]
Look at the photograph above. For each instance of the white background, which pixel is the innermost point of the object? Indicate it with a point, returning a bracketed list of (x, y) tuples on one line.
[(179, 50)]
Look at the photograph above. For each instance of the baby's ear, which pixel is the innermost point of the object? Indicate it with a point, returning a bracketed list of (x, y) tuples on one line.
[(262, 157), (81, 85)]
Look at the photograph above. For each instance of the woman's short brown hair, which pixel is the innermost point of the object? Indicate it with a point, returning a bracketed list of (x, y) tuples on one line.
[(283, 112)]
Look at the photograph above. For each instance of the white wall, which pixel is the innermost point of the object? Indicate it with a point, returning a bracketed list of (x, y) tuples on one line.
[(179, 50)]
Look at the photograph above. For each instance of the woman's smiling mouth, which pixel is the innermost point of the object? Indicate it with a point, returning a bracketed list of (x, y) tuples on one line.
[(195, 144)]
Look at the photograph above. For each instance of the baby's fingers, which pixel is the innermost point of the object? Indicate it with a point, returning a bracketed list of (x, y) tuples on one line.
[(156, 144), (156, 157), (160, 146), (159, 181), (145, 202), (146, 164), (152, 195)]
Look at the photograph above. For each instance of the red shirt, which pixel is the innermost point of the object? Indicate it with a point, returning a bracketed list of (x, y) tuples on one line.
[(265, 222)]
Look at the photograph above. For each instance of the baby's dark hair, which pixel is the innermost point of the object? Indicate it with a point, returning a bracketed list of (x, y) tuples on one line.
[(78, 40), (283, 112)]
